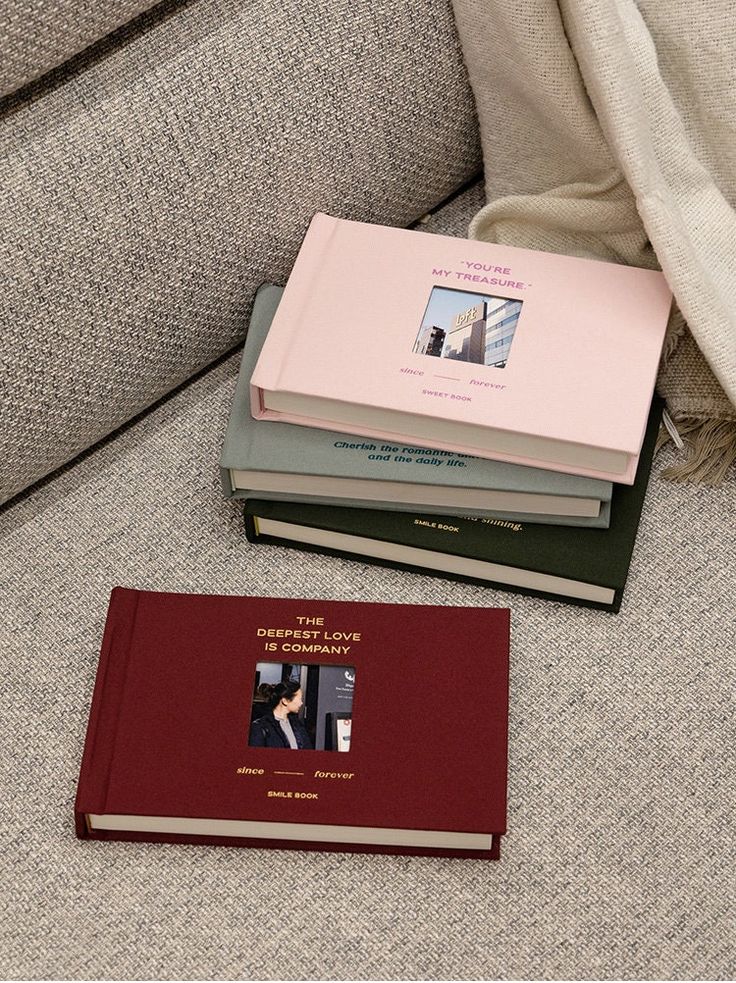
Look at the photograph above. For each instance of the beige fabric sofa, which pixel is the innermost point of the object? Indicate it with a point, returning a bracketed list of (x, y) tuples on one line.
[(148, 185)]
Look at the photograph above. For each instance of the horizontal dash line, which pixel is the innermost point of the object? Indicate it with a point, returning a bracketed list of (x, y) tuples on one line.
[(288, 773), (454, 378)]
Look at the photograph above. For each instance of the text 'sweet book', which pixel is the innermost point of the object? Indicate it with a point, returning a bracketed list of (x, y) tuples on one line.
[(303, 724)]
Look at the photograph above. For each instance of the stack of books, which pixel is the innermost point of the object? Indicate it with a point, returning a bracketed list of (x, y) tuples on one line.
[(461, 408)]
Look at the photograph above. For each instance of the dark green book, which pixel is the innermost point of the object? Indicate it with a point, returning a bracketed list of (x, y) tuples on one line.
[(584, 566)]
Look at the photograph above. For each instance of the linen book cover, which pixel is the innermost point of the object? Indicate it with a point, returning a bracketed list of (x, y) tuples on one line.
[(257, 721), (583, 566), (269, 459), (511, 354)]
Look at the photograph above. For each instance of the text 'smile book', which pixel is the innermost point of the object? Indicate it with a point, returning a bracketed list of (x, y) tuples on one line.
[(326, 725), (511, 354), (273, 460), (585, 566)]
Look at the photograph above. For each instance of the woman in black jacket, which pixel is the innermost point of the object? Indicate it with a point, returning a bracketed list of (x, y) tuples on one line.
[(280, 726)]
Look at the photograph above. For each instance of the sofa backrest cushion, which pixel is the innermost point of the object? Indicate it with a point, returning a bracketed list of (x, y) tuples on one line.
[(145, 196), (37, 36)]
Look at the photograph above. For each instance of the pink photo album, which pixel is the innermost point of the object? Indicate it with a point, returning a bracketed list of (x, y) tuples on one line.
[(509, 354)]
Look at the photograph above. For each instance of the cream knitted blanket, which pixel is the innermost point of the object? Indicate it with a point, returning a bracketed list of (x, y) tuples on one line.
[(609, 130)]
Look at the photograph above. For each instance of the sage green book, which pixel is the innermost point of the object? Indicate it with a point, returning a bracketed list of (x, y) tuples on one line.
[(284, 462), (584, 566)]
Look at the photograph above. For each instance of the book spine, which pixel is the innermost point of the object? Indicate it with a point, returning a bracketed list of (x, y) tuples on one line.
[(251, 530), (237, 450), (237, 444), (99, 743), (302, 284), (226, 482)]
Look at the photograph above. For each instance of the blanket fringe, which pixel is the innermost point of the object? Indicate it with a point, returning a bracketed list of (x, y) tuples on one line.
[(710, 446)]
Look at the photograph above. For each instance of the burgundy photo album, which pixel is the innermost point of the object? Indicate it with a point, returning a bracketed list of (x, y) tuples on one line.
[(257, 721)]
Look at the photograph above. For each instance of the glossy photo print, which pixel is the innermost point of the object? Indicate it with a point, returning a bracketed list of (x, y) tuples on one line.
[(468, 327), (302, 707)]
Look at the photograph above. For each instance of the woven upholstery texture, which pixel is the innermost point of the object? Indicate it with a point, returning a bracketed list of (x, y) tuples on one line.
[(619, 859), (147, 189), (37, 36)]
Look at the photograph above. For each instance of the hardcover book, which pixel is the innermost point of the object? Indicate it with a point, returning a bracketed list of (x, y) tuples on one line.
[(482, 349), (280, 461), (585, 566), (326, 725)]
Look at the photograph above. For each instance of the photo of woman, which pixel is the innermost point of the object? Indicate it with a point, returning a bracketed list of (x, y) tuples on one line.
[(280, 726)]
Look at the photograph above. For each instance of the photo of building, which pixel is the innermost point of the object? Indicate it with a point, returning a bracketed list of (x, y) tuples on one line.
[(430, 340), (468, 327)]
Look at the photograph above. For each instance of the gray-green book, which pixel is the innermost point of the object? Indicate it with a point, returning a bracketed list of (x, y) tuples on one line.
[(283, 462)]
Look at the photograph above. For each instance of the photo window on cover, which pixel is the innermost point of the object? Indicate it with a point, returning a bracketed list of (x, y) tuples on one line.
[(468, 327), (302, 707)]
